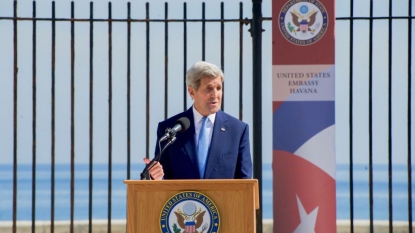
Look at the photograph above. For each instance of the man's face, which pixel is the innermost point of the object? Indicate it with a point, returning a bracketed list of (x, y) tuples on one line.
[(208, 98)]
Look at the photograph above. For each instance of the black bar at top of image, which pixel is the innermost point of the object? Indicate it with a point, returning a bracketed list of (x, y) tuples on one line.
[(163, 20), (33, 117), (351, 119), (91, 113), (188, 20)]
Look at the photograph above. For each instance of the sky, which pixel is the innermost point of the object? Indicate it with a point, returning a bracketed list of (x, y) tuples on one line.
[(175, 71)]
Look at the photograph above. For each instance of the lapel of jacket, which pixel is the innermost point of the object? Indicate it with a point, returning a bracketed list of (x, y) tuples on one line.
[(217, 142), (189, 140)]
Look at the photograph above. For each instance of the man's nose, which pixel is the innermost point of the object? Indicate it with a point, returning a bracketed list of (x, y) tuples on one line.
[(215, 93)]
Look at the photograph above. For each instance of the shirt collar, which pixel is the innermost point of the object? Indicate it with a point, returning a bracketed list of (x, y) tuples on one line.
[(197, 116)]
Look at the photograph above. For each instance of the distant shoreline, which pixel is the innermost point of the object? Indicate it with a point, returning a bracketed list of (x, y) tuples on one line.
[(357, 222), (119, 226), (100, 196)]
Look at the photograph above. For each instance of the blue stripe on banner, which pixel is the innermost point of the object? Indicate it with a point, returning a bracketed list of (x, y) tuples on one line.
[(295, 122)]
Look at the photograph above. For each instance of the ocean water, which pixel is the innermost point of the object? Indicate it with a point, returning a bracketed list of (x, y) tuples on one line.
[(118, 199)]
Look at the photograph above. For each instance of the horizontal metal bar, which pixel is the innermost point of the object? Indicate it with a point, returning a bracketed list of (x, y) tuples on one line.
[(375, 18), (246, 21)]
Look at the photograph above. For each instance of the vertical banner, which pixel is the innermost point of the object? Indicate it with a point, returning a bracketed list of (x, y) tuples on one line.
[(304, 184)]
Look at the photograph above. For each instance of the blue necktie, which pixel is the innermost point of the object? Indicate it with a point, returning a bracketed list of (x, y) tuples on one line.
[(203, 147)]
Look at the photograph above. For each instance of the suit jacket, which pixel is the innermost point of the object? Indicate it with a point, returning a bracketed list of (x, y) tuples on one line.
[(229, 156)]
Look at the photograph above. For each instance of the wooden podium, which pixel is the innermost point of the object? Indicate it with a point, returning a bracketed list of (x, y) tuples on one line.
[(235, 200)]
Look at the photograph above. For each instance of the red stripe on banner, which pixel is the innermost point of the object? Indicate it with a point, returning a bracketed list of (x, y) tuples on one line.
[(299, 183)]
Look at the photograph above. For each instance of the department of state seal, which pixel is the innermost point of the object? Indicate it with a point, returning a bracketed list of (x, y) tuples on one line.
[(189, 212), (303, 22)]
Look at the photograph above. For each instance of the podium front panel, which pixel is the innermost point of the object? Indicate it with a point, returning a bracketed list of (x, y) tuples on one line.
[(236, 201)]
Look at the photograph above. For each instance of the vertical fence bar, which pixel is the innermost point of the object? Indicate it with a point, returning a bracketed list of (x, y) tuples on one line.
[(203, 31), (390, 118), (184, 55), (91, 112), (409, 159), (351, 119), (222, 49), (241, 24), (166, 59), (52, 211), (147, 78), (370, 118), (71, 229), (14, 115), (109, 115), (128, 90), (33, 116), (256, 32)]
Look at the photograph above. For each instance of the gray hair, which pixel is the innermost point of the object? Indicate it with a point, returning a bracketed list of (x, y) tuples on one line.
[(200, 70)]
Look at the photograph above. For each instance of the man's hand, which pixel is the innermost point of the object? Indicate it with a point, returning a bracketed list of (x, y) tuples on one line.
[(156, 172)]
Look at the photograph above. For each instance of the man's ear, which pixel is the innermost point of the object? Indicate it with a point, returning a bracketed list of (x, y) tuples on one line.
[(191, 91)]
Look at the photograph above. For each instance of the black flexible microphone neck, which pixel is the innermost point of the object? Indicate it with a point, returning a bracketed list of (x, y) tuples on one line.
[(181, 125), (145, 174)]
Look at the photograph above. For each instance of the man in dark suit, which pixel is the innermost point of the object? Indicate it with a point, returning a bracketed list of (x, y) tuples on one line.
[(216, 145)]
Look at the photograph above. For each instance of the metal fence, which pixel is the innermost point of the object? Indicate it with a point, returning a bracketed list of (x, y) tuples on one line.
[(241, 22), (370, 67), (93, 21)]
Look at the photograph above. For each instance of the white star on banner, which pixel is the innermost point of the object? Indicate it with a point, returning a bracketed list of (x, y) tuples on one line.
[(308, 221)]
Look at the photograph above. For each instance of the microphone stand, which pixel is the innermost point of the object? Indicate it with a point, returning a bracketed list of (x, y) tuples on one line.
[(145, 175)]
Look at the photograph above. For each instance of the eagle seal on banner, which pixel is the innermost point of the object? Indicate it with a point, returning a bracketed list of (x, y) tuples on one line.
[(303, 22)]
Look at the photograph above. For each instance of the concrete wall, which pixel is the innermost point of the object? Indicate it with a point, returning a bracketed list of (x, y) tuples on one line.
[(118, 226)]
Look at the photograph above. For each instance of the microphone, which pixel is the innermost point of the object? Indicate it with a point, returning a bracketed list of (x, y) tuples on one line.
[(181, 125)]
